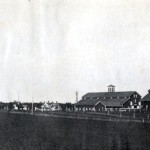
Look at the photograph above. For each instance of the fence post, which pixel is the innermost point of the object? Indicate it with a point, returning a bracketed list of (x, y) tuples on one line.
[(108, 112), (120, 114), (143, 120), (110, 119), (32, 104), (134, 115), (148, 116)]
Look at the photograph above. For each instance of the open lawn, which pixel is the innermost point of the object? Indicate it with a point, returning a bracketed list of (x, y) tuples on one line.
[(30, 132)]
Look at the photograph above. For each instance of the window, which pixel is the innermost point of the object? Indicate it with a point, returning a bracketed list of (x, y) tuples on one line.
[(89, 108), (139, 103), (104, 97), (131, 103), (135, 95), (135, 100)]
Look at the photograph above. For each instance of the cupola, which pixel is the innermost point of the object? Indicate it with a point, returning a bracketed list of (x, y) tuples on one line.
[(111, 88)]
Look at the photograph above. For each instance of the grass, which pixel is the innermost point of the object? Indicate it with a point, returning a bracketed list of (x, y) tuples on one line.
[(27, 132)]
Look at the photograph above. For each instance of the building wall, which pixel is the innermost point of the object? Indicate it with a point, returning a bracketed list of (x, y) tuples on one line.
[(133, 102), (100, 107), (113, 108), (145, 105), (84, 108)]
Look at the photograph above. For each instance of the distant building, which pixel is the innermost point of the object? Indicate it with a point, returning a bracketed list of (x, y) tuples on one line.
[(46, 106), (17, 106), (49, 106), (3, 106), (37, 106), (56, 106), (145, 102), (67, 106), (111, 100), (27, 106)]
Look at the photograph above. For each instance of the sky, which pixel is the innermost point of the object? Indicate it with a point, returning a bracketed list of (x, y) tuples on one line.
[(49, 49)]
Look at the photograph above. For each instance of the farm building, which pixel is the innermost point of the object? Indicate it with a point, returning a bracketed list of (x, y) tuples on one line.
[(145, 102), (111, 100), (67, 106), (47, 106), (17, 105)]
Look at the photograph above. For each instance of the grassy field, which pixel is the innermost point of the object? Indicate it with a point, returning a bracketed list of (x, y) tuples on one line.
[(27, 132)]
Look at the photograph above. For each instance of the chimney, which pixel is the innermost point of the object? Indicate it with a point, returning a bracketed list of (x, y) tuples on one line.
[(111, 88), (76, 96)]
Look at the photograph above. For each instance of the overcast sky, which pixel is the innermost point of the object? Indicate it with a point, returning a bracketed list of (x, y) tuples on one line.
[(51, 48)]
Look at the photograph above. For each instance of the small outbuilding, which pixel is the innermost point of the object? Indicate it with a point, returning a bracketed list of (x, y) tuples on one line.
[(145, 102)]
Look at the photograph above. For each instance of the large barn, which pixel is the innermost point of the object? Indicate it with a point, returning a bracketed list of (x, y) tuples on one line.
[(111, 100)]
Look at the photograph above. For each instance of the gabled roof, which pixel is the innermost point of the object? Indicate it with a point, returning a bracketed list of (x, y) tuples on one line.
[(90, 102), (111, 85), (114, 102), (110, 94), (118, 102), (146, 97)]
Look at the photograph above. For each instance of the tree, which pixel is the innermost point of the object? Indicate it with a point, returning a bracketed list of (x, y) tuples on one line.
[(10, 106)]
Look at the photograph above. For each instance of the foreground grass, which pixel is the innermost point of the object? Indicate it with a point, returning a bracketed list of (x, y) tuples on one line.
[(27, 132)]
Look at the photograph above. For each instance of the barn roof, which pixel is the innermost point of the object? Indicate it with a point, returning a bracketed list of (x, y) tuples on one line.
[(106, 98), (111, 85), (114, 102), (109, 94), (90, 102), (146, 97), (107, 102)]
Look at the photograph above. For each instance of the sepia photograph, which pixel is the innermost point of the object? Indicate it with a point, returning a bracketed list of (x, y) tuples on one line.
[(74, 75)]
